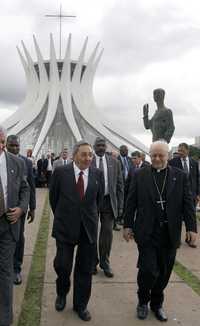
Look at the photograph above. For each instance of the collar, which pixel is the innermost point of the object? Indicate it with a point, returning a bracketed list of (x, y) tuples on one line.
[(77, 170), (98, 157), (158, 170)]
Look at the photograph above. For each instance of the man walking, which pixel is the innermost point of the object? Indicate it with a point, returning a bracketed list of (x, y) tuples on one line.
[(112, 206), (14, 198), (156, 227), (75, 195), (191, 168), (13, 146)]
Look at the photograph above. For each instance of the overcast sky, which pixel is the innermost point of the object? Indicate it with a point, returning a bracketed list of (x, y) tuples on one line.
[(147, 44)]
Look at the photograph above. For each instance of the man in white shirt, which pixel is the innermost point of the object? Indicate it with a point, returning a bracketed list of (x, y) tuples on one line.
[(63, 160), (14, 199), (191, 168), (112, 206), (75, 195)]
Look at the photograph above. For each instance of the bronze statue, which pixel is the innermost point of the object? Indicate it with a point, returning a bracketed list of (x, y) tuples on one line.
[(161, 124)]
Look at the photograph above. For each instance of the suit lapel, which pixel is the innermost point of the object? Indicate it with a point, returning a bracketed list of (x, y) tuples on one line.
[(90, 183), (72, 179), (171, 180), (10, 171), (150, 184)]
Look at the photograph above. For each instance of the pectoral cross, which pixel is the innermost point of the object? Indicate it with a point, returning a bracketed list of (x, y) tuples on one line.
[(161, 202)]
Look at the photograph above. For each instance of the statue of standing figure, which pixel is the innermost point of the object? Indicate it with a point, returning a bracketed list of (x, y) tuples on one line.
[(161, 123)]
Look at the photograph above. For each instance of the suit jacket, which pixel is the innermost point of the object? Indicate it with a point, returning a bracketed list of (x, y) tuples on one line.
[(59, 162), (69, 210), (41, 166), (122, 165), (142, 201), (115, 184), (18, 190), (31, 181), (194, 179)]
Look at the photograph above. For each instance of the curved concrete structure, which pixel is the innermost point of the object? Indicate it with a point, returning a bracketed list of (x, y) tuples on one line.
[(59, 108)]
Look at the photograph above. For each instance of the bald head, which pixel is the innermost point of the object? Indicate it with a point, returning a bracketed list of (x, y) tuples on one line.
[(159, 152)]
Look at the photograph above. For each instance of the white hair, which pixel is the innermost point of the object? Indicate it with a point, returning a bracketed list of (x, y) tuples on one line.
[(161, 143)]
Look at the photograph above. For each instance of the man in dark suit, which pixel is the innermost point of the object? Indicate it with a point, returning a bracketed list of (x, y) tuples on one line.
[(41, 171), (13, 146), (125, 161), (154, 219), (191, 168), (75, 195), (112, 206), (48, 167), (14, 197)]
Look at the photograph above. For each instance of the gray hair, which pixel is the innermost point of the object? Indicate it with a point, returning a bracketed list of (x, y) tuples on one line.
[(78, 145), (159, 143), (3, 131)]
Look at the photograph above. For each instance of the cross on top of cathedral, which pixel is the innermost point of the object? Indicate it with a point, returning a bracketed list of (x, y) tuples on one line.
[(60, 16)]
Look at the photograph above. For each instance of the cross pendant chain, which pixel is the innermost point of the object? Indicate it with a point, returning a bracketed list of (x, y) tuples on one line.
[(161, 202)]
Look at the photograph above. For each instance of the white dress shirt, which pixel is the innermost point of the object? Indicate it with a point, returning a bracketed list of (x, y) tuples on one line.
[(85, 175), (49, 166), (187, 162), (105, 169), (3, 174)]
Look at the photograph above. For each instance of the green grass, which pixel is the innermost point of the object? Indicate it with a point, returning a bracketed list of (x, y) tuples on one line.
[(31, 307), (187, 276)]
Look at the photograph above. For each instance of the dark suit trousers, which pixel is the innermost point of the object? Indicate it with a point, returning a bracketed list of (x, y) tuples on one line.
[(19, 251), (7, 248), (63, 263), (155, 265), (105, 235)]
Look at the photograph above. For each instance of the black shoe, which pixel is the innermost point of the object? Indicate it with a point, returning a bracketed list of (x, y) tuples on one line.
[(108, 273), (83, 314), (159, 314), (142, 311), (18, 279), (94, 271), (60, 303)]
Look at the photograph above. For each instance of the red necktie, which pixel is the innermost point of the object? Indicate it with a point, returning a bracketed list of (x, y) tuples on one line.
[(80, 185)]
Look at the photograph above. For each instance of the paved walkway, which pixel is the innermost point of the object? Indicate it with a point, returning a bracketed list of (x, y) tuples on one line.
[(114, 300), (31, 231)]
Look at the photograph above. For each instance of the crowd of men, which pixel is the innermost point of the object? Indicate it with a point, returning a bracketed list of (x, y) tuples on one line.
[(93, 187)]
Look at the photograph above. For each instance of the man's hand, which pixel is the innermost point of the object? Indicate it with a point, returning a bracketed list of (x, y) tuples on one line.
[(128, 234), (146, 110), (30, 216), (197, 199), (14, 214), (191, 238)]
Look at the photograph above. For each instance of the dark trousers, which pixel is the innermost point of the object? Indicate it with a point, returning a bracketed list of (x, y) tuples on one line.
[(19, 251), (63, 263), (48, 176), (7, 248), (155, 266), (105, 235)]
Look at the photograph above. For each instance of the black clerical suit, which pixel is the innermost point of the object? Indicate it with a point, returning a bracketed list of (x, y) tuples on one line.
[(75, 223), (156, 203)]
